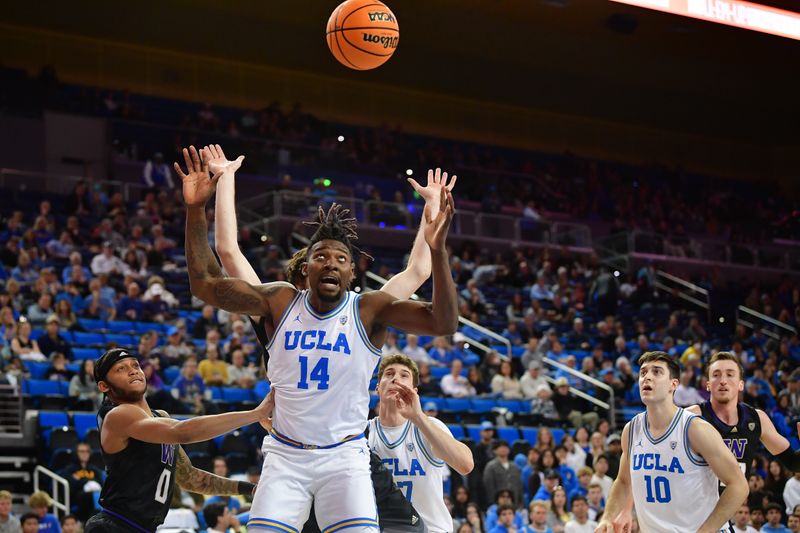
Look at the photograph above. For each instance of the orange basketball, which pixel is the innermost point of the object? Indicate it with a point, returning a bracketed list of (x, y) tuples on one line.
[(362, 34)]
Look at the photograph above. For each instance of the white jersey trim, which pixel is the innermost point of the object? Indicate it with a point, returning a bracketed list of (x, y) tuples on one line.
[(283, 318), (363, 332)]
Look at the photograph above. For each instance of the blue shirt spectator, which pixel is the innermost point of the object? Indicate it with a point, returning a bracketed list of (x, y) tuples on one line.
[(75, 261), (130, 306)]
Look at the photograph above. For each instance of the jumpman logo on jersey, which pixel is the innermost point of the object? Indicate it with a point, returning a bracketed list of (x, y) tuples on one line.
[(639, 444), (297, 319)]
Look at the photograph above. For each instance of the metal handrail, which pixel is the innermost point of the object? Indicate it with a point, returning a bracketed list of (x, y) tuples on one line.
[(687, 284), (766, 318), (58, 481), (682, 295), (579, 393), (585, 377)]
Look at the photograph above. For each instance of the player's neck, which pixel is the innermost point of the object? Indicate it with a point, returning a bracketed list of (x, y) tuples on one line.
[(660, 415), (389, 416), (323, 307), (726, 412)]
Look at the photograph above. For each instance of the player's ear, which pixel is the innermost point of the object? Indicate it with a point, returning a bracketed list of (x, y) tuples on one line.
[(304, 269), (103, 386)]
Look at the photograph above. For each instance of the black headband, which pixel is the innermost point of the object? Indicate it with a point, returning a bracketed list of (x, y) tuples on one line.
[(107, 360)]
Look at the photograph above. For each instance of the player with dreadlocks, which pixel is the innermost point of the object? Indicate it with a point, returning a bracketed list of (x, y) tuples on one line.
[(396, 514), (322, 358)]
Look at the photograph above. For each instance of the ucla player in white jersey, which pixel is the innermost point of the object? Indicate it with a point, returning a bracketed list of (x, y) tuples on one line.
[(322, 358), (415, 447), (670, 463)]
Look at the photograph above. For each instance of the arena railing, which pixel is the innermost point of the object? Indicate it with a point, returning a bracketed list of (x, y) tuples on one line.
[(759, 321), (60, 486), (685, 290), (11, 412), (608, 406)]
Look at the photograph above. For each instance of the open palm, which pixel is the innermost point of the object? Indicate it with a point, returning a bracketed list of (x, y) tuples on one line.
[(437, 180), (218, 162), (198, 184)]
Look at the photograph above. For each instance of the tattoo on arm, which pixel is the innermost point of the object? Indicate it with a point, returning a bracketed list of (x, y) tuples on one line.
[(200, 259), (199, 481)]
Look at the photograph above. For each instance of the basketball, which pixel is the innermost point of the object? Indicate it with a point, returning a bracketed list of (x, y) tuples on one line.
[(362, 34)]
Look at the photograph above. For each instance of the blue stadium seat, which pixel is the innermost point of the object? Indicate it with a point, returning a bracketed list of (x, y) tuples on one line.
[(558, 435), (530, 434), (456, 404), (457, 431), (88, 339), (41, 387), (482, 405), (216, 393), (92, 324), (121, 326), (142, 327), (508, 434), (515, 406), (79, 354), (74, 367), (237, 395), (36, 368), (51, 419), (171, 373), (474, 432), (261, 390), (83, 422), (438, 372), (438, 401), (122, 339)]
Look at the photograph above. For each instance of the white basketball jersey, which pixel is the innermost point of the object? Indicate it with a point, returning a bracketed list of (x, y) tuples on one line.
[(674, 490), (408, 455), (320, 367)]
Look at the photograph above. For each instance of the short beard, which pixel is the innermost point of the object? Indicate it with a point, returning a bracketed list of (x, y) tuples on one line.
[(330, 299), (121, 396)]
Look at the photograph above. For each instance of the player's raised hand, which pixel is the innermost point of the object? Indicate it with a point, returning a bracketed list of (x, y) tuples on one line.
[(406, 400), (218, 162), (430, 193), (198, 184), (437, 227)]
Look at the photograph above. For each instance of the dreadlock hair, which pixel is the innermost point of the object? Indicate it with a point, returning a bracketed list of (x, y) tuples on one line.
[(335, 225), (294, 266)]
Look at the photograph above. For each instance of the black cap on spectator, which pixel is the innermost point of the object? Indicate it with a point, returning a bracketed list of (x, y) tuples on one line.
[(552, 474)]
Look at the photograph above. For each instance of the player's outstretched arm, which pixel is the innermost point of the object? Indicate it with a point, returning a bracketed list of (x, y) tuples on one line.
[(617, 516), (777, 444), (445, 446), (130, 421), (201, 482), (206, 280), (440, 317), (226, 242), (707, 443), (418, 270)]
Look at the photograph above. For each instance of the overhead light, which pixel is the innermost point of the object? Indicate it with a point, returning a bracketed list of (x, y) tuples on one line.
[(340, 138), (409, 172)]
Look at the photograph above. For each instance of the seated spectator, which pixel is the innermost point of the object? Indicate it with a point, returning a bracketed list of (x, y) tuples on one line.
[(543, 406), (24, 273), (538, 517), (155, 287), (156, 304), (70, 524), (580, 522), (600, 477), (38, 312), (516, 310), (58, 370), (595, 499), (218, 517), (69, 302), (532, 353), (540, 291), (511, 333), (490, 366), (84, 480), (503, 497), (75, 263), (30, 523), (130, 306), (190, 388), (107, 263), (272, 264), (240, 339), (440, 353), (532, 380), (52, 341), (23, 346), (550, 481), (460, 350), (694, 332), (506, 384), (558, 515), (212, 369), (240, 375), (686, 394), (505, 520), (456, 385), (584, 476), (83, 389), (572, 409), (414, 351), (99, 306), (156, 174), (205, 323), (176, 349), (39, 503), (8, 522), (577, 339), (774, 525), (791, 493), (476, 380), (220, 468), (427, 385)]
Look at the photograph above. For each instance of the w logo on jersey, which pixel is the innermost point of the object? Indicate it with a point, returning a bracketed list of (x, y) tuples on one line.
[(737, 446), (168, 454)]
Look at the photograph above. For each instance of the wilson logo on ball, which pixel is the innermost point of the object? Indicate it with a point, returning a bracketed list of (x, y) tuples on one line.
[(387, 42)]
